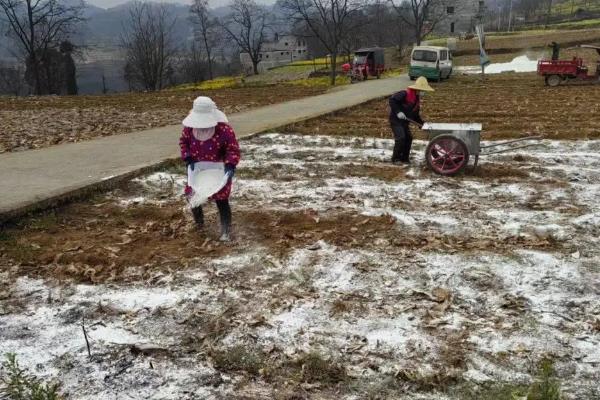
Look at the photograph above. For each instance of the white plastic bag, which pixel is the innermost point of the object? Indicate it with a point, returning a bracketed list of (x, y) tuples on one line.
[(206, 179)]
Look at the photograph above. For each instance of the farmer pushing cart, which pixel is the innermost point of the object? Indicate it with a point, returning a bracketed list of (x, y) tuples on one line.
[(404, 108)]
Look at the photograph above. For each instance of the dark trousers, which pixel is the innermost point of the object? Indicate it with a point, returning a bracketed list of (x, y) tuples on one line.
[(224, 214), (402, 142)]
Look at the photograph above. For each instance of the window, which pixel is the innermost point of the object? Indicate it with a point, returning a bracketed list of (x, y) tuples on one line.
[(282, 53), (286, 43), (425, 55), (452, 27), (299, 51), (449, 10), (443, 55), (267, 56)]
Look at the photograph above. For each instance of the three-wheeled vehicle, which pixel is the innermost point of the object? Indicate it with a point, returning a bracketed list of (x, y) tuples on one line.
[(556, 72), (367, 62)]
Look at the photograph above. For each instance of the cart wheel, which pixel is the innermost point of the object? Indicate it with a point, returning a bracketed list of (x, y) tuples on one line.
[(446, 155), (553, 80)]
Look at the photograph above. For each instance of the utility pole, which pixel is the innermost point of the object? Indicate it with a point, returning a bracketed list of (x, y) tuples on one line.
[(104, 88), (499, 17), (510, 16)]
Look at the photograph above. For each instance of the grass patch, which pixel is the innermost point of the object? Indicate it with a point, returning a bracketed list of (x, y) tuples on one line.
[(48, 222), (5, 237), (225, 82), (17, 384), (238, 359), (321, 81), (490, 392), (315, 368), (546, 385)]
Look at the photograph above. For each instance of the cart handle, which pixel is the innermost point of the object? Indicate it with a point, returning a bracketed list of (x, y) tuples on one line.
[(509, 149), (415, 122), (511, 141)]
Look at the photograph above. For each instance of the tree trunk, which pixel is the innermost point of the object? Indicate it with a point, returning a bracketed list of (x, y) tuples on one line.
[(548, 13), (210, 72), (333, 71), (255, 67), (208, 56), (36, 74)]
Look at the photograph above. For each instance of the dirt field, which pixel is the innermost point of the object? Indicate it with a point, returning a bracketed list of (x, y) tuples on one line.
[(348, 278), (509, 105), (531, 40), (35, 122)]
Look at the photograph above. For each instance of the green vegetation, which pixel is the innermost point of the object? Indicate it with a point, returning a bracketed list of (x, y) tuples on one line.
[(316, 368), (239, 358), (546, 385), (17, 384), (320, 81), (585, 24), (570, 7)]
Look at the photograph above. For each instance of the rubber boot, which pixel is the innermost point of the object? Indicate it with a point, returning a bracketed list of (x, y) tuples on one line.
[(225, 215), (198, 217)]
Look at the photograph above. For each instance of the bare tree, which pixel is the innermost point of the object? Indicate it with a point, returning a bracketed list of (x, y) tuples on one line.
[(421, 15), (38, 27), (192, 65), (328, 20), (247, 25), (12, 79), (149, 46), (206, 30)]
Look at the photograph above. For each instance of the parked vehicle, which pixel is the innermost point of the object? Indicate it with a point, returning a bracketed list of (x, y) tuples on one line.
[(432, 62), (367, 62), (556, 72)]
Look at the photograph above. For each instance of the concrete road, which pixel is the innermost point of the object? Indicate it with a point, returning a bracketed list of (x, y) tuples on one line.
[(43, 178)]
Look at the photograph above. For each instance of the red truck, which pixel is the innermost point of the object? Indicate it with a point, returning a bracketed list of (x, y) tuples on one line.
[(556, 72)]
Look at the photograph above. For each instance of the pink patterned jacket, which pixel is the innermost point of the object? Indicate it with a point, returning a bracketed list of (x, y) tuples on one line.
[(221, 147)]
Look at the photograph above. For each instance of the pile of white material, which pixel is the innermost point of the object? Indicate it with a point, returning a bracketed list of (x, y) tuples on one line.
[(518, 64)]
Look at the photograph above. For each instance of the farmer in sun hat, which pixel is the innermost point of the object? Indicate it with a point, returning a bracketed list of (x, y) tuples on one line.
[(404, 109), (208, 141)]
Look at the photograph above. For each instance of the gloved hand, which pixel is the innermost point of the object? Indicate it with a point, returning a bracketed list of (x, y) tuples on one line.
[(229, 170), (189, 162), (401, 115)]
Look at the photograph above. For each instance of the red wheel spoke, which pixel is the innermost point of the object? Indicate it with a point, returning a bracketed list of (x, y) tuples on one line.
[(452, 161), (447, 155)]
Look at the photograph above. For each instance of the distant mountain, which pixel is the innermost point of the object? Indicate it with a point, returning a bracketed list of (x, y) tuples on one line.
[(101, 34), (105, 26)]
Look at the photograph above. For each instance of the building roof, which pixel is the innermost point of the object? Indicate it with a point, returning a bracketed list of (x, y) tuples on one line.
[(369, 49)]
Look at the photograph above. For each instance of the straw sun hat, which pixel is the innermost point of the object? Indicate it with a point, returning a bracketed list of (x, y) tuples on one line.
[(422, 84), (204, 114)]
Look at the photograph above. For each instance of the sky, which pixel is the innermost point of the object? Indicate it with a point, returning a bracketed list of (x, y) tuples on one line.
[(213, 3)]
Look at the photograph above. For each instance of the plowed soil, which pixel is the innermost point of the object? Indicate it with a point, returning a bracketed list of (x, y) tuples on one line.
[(509, 106), (36, 122), (348, 278)]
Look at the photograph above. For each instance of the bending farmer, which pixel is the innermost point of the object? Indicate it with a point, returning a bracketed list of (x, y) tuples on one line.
[(555, 50), (404, 108), (208, 141)]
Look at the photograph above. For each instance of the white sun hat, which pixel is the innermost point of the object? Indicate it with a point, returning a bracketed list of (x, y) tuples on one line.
[(204, 114)]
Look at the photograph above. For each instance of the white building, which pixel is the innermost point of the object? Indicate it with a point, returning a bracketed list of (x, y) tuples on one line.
[(459, 16), (283, 50)]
